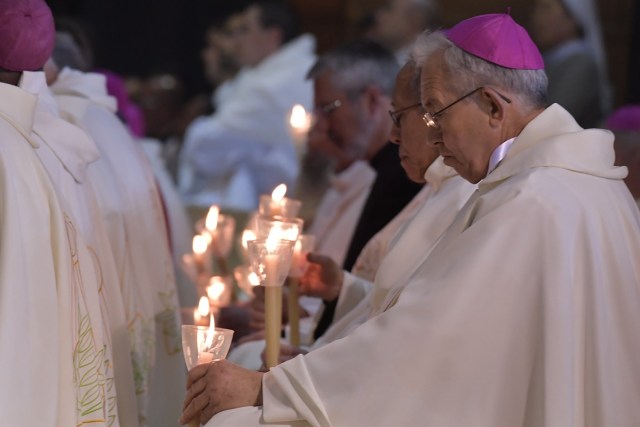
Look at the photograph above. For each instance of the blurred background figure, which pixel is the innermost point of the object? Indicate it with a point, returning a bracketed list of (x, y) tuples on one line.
[(219, 57), (625, 123), (397, 23), (245, 148), (568, 34)]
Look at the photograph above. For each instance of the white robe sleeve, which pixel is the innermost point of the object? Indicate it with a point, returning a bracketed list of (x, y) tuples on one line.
[(33, 354), (507, 335)]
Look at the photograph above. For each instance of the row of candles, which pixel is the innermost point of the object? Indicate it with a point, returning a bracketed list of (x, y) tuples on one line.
[(269, 251), (274, 249)]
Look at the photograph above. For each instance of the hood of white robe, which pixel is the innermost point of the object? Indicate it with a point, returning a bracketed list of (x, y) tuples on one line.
[(92, 86), (554, 139), (71, 145)]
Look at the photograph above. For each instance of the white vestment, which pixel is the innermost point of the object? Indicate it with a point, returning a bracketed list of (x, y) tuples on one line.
[(245, 148), (340, 209), (130, 206), (439, 202), (50, 302), (399, 248), (525, 313), (181, 229)]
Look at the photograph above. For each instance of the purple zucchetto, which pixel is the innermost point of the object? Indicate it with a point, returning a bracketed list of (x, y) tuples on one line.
[(27, 34), (498, 39), (625, 119)]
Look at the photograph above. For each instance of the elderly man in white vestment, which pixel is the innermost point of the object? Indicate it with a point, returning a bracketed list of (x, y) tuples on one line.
[(399, 247), (352, 88), (523, 313), (245, 148), (132, 211), (51, 296)]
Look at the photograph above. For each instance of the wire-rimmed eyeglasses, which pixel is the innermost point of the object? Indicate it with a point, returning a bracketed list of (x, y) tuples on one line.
[(397, 114), (328, 108), (431, 119)]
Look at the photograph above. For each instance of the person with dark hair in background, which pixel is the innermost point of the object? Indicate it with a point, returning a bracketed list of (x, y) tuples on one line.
[(397, 23), (568, 34), (245, 148)]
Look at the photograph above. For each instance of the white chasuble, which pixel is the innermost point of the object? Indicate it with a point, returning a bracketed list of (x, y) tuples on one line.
[(441, 199), (131, 203), (55, 353), (524, 313), (66, 152)]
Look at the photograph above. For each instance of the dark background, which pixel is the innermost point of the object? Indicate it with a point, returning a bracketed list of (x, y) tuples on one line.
[(139, 37)]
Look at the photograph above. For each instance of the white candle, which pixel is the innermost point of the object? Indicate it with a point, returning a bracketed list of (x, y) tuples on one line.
[(200, 246), (211, 221), (273, 324), (216, 292), (272, 303), (200, 314), (299, 124)]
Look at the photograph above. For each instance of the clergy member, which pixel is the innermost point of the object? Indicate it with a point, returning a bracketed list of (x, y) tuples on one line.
[(132, 212), (398, 249), (523, 312), (56, 356)]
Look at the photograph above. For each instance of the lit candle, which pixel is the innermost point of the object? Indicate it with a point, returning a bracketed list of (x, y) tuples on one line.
[(278, 205), (205, 339), (216, 292), (211, 221), (201, 312), (299, 124), (200, 246), (272, 303)]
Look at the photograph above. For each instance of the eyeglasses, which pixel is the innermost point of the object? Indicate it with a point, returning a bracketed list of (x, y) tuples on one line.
[(397, 114), (328, 108), (430, 119)]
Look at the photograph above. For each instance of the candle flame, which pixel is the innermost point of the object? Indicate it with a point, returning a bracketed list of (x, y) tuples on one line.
[(272, 243), (246, 236), (253, 278), (211, 222), (199, 244), (216, 288), (279, 192), (203, 307), (298, 118), (210, 333)]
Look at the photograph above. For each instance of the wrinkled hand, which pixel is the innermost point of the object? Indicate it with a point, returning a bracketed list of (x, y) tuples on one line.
[(218, 386), (322, 279), (287, 352)]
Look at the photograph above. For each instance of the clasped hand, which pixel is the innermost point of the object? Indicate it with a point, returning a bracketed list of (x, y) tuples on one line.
[(218, 386)]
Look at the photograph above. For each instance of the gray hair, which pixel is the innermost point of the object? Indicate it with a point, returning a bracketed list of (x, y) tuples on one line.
[(467, 72), (67, 53), (356, 65)]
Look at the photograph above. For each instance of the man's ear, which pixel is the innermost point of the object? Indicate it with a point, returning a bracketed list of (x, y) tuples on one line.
[(372, 97), (495, 105)]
